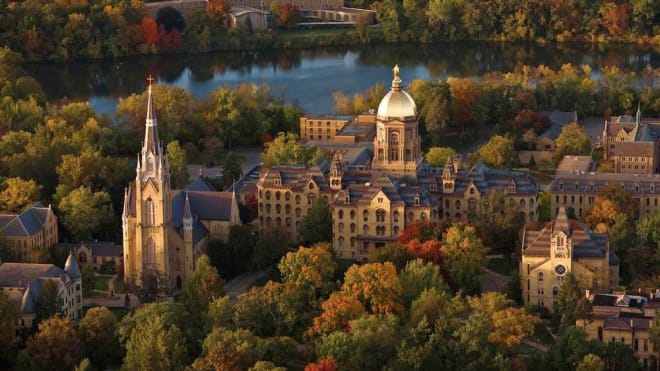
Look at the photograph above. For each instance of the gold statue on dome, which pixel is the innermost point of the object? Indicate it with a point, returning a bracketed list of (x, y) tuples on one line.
[(396, 72)]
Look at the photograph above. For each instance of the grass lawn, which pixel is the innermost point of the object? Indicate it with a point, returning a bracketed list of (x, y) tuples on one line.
[(501, 266)]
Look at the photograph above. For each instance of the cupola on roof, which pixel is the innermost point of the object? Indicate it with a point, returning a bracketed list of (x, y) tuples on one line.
[(397, 104)]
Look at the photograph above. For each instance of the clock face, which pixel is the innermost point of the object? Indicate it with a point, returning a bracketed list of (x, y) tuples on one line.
[(560, 269)]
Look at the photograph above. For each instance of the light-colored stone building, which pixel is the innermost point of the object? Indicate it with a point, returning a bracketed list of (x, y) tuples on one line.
[(35, 227), (564, 246), (95, 254), (577, 191), (22, 283), (633, 144), (303, 5), (626, 319), (251, 19), (164, 230), (377, 183)]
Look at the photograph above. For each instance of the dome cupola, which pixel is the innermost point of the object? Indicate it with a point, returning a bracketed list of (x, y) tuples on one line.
[(397, 104)]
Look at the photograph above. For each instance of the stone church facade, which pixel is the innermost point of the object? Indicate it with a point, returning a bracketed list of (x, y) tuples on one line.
[(165, 230)]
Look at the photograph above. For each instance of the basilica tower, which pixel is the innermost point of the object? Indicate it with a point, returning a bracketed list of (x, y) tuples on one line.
[(147, 211), (397, 142)]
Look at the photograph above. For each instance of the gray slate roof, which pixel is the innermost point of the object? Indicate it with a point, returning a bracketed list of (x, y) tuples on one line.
[(591, 183), (26, 224), (103, 248)]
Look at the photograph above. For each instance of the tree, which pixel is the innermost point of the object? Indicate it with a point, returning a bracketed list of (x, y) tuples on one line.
[(573, 140), (316, 226), (176, 157), (219, 314), (288, 15), (498, 152), (56, 346), (437, 156), (375, 285), (323, 364), (155, 345), (203, 287), (86, 213), (285, 149), (9, 314), (419, 276), (18, 194), (591, 362), (234, 350), (311, 269), (393, 252), (170, 19), (429, 251), (463, 254), (231, 169), (49, 302), (567, 300), (88, 280), (265, 365), (338, 311), (97, 335)]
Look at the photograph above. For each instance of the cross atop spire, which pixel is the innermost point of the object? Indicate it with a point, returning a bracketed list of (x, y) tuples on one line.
[(150, 79)]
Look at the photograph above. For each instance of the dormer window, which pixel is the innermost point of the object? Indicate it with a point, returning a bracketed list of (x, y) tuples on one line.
[(278, 181), (417, 199), (561, 186)]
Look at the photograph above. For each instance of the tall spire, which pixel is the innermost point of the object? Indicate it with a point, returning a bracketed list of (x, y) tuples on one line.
[(638, 116), (396, 82), (151, 141)]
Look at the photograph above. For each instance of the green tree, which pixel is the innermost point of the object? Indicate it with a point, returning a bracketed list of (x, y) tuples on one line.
[(231, 169), (203, 287), (568, 300), (419, 276), (153, 345), (437, 156), (219, 314), (9, 314), (6, 251), (178, 162), (285, 149), (463, 258), (316, 226), (393, 252), (498, 152), (98, 338), (18, 194), (88, 280), (49, 302), (573, 140), (86, 213), (56, 346)]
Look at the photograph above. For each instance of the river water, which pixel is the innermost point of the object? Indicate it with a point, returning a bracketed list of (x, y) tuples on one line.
[(308, 77)]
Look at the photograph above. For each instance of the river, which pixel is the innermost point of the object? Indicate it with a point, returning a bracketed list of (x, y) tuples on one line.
[(308, 77)]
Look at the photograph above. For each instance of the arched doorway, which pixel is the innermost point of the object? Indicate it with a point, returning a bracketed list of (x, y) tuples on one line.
[(178, 282)]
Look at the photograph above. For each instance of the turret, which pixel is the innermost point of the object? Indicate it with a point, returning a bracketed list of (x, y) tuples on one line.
[(187, 216), (335, 174), (71, 267), (448, 177)]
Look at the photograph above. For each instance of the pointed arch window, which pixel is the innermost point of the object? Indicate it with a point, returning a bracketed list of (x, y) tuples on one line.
[(150, 253), (151, 212)]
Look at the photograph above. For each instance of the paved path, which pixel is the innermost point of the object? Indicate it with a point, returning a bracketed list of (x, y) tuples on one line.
[(492, 281), (535, 345), (242, 283)]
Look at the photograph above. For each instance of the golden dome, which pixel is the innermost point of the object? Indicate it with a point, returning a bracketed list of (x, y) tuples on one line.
[(397, 104)]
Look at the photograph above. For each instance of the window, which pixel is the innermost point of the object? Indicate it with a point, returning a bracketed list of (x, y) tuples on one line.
[(150, 253), (278, 208), (380, 215), (340, 226), (365, 229), (411, 216), (458, 204), (540, 276), (365, 215), (352, 227), (151, 212), (352, 214), (82, 257), (278, 195), (310, 199), (297, 199), (395, 216), (340, 214), (267, 195)]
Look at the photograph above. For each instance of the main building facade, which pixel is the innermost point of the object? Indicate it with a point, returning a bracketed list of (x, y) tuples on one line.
[(377, 183)]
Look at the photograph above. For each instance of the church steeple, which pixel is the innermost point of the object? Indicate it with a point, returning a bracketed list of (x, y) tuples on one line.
[(151, 159)]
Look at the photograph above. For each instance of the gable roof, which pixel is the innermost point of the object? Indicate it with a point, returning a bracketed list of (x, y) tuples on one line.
[(26, 224)]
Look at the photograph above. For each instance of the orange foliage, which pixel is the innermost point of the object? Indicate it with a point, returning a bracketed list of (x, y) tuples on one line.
[(616, 18), (169, 40), (338, 311), (423, 231), (465, 94), (429, 251), (511, 326), (325, 364), (149, 30)]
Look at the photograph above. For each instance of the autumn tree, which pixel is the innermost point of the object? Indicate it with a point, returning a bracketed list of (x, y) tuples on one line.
[(568, 299), (573, 140), (18, 194), (498, 152), (591, 362), (233, 349), (98, 338), (324, 364), (376, 285), (311, 269), (429, 251), (316, 226), (288, 15), (463, 257), (337, 312), (611, 201), (56, 345), (203, 287), (219, 314)]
